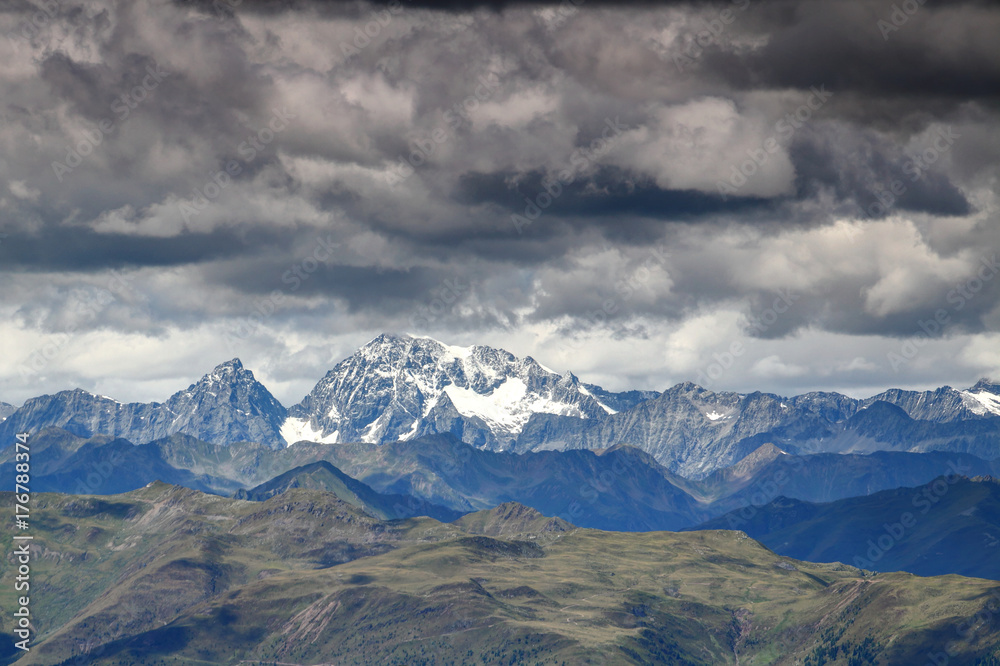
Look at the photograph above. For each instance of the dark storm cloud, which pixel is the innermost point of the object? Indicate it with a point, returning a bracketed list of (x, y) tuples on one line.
[(941, 50), (361, 103), (454, 6), (77, 249), (609, 191), (873, 175)]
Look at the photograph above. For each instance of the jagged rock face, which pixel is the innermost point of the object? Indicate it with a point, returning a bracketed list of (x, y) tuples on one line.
[(945, 404), (226, 405), (6, 410), (693, 431), (399, 387)]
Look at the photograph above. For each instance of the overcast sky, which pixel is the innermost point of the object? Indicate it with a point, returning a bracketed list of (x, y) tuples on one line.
[(784, 196)]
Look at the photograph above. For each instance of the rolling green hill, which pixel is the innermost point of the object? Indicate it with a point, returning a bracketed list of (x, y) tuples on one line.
[(166, 575)]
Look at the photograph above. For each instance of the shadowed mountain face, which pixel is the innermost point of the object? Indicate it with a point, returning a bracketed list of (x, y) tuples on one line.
[(400, 388), (951, 525), (619, 489), (693, 431), (769, 473), (169, 575), (227, 405), (323, 476)]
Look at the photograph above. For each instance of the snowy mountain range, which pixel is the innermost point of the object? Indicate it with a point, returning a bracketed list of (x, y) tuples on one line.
[(398, 388)]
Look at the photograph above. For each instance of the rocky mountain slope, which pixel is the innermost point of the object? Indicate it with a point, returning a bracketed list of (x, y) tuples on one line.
[(400, 388), (226, 405)]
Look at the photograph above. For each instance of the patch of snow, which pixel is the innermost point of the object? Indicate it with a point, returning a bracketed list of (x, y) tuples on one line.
[(431, 404), (714, 415), (547, 369), (508, 406), (609, 410), (413, 431), (297, 430), (987, 402), (371, 431), (451, 351)]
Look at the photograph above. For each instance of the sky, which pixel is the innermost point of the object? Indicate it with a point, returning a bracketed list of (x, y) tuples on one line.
[(752, 195)]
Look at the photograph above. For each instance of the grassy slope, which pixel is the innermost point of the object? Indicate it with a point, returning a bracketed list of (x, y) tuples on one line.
[(172, 576)]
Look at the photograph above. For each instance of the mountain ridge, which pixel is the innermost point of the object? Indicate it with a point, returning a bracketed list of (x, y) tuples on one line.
[(398, 388)]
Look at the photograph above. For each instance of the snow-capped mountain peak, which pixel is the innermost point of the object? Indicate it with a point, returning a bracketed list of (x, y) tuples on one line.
[(399, 387), (983, 398)]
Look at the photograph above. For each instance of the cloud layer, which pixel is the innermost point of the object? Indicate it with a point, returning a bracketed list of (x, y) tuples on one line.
[(626, 191)]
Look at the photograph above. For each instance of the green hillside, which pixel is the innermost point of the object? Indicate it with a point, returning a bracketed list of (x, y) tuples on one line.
[(166, 575)]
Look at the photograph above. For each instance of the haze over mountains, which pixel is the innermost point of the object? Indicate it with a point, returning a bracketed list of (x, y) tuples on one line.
[(950, 525), (398, 388)]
